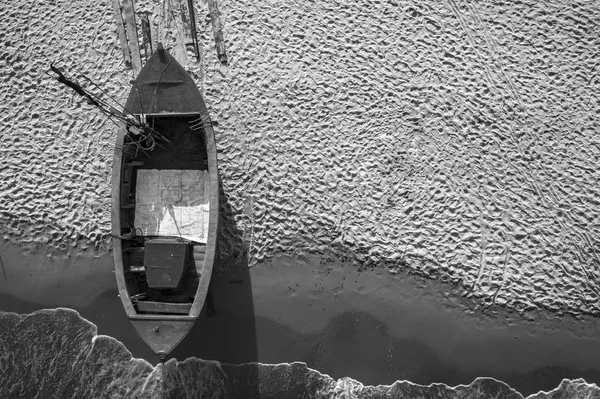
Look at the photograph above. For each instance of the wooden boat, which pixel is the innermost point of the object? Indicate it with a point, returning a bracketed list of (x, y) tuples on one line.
[(165, 201)]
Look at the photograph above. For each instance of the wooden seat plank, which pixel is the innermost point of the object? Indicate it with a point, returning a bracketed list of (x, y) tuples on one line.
[(163, 307)]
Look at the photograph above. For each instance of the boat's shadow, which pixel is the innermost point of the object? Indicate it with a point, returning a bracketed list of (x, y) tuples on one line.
[(228, 335)]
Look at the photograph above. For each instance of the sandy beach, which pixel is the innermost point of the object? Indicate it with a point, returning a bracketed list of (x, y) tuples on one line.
[(467, 150), (447, 153)]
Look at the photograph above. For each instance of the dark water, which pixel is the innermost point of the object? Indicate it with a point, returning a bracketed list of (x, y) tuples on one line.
[(54, 353), (373, 328)]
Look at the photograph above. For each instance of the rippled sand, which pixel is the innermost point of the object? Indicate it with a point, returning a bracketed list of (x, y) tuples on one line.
[(458, 139)]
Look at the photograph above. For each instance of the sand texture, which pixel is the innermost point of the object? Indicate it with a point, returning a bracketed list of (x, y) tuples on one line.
[(458, 139), (56, 353), (56, 155)]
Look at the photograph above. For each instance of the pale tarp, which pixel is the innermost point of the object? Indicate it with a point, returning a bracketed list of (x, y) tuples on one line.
[(173, 203)]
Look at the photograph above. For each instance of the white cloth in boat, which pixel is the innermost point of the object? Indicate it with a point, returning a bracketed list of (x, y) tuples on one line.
[(173, 203)]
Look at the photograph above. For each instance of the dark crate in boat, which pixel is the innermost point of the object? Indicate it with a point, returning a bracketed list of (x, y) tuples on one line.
[(165, 262)]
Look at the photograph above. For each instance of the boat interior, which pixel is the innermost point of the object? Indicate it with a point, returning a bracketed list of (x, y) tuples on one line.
[(162, 269)]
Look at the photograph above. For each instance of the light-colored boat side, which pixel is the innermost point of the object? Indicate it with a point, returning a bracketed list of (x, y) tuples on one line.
[(162, 317), (213, 223), (116, 225)]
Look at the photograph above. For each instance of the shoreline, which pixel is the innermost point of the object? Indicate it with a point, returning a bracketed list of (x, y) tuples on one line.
[(372, 326), (47, 278)]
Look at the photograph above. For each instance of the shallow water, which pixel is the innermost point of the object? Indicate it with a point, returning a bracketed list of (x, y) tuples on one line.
[(374, 327)]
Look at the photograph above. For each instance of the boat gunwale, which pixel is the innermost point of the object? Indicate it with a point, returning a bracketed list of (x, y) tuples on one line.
[(213, 218), (117, 176)]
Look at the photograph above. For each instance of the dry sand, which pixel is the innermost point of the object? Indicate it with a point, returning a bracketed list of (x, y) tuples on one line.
[(459, 136)]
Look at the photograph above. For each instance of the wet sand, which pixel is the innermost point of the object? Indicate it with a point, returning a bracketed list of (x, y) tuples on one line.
[(374, 327)]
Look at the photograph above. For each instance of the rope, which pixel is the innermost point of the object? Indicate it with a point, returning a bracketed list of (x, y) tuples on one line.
[(147, 142), (143, 139), (131, 235), (104, 92), (147, 134)]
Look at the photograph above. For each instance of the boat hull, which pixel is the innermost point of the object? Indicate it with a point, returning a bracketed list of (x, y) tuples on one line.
[(162, 318)]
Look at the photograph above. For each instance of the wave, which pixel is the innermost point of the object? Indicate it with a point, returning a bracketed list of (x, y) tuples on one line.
[(58, 354)]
